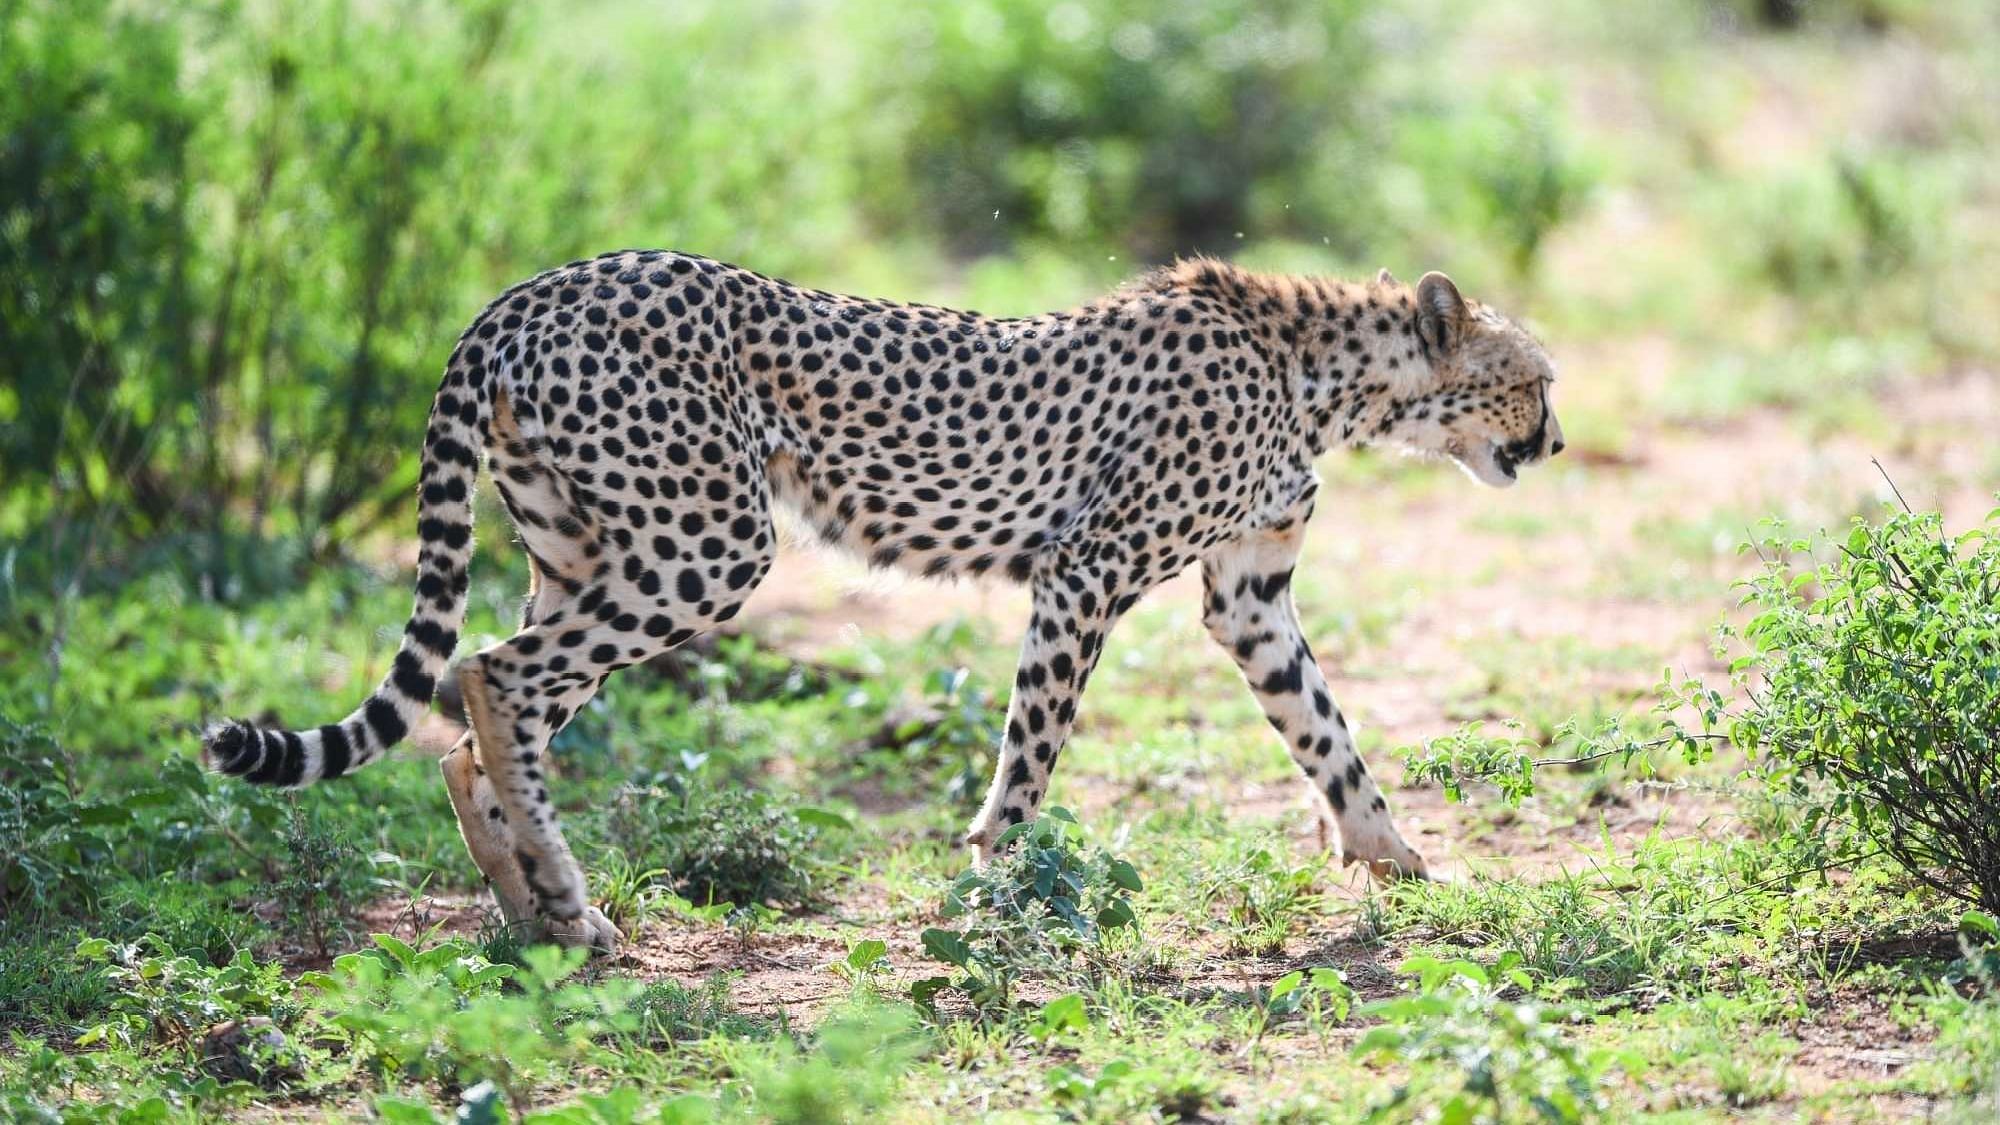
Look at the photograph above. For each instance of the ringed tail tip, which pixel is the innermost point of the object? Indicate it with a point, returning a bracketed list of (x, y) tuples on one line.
[(262, 757)]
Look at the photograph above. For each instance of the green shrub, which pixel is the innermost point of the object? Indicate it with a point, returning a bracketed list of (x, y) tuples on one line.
[(236, 240), (1158, 128), (1505, 169), (202, 257), (1180, 1090), (165, 997), (1861, 240), (444, 1013), (1872, 680), (669, 1011), (319, 880), (849, 1074)]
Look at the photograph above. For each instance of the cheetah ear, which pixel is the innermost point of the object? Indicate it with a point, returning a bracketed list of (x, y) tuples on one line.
[(1385, 277), (1441, 313)]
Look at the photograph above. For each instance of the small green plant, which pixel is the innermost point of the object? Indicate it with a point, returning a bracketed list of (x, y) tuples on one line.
[(1070, 1084), (865, 962), (1264, 895), (318, 880), (1043, 903), (952, 734), (442, 1012), (668, 1011), (168, 998), (1476, 1053), (717, 844), (1319, 995), (1069, 1013), (1506, 760), (51, 840), (629, 895), (1124, 1091), (850, 1072), (483, 1104)]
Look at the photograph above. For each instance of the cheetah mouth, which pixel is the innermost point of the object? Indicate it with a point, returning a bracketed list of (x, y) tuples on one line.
[(1491, 464)]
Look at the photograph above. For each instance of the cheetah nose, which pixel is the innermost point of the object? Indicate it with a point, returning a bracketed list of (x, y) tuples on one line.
[(1555, 447)]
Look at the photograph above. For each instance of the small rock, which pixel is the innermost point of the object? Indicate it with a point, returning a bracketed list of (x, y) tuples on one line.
[(251, 1050)]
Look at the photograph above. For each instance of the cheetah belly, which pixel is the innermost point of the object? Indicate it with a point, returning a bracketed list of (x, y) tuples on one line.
[(970, 521)]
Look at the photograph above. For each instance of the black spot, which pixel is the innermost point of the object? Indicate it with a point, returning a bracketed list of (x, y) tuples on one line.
[(1289, 679)]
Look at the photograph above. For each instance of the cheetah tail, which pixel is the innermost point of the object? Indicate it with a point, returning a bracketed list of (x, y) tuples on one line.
[(444, 525)]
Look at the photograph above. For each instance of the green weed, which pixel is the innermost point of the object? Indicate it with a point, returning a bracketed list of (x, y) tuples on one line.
[(1475, 1053), (1035, 909)]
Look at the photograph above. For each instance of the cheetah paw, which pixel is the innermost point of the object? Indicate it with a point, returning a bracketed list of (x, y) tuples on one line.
[(1409, 865), (589, 930), (1387, 858)]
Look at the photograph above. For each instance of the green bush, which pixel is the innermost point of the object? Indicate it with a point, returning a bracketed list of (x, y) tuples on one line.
[(850, 1074), (1145, 127), (444, 1013), (1872, 680), (50, 840), (237, 240), (166, 997), (1504, 170), (205, 259), (57, 838), (1836, 229), (321, 878)]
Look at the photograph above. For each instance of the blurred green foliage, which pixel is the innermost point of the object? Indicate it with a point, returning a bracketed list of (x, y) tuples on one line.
[(1213, 117), (238, 236)]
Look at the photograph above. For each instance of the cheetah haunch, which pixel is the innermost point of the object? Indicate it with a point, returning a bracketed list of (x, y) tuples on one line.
[(640, 413)]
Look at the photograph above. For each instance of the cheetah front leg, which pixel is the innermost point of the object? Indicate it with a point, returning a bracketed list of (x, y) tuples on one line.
[(1248, 610), (1074, 607)]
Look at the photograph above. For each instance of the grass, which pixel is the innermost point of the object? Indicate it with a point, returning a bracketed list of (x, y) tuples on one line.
[(1680, 949)]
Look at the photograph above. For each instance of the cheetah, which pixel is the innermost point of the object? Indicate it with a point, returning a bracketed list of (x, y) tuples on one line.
[(640, 413)]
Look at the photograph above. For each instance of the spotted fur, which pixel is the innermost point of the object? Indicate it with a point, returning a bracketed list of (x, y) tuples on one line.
[(640, 413)]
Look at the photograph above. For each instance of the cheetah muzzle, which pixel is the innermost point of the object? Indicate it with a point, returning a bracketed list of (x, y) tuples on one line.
[(641, 413)]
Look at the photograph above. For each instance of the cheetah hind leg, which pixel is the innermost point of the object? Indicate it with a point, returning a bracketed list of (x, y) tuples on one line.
[(554, 883), (483, 824)]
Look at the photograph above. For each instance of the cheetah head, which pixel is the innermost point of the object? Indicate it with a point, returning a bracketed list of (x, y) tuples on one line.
[(1484, 401)]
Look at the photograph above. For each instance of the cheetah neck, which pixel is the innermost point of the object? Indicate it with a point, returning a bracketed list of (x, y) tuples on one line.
[(1350, 352), (1355, 356)]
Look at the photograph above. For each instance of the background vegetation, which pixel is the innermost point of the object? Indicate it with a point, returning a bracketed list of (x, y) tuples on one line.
[(237, 238)]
